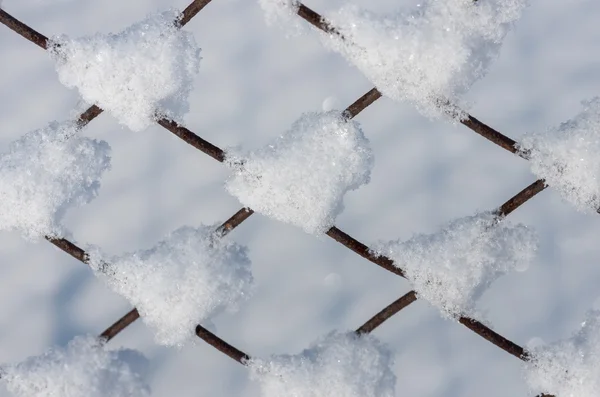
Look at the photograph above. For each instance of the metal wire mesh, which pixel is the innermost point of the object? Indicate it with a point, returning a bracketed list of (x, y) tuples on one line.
[(335, 233)]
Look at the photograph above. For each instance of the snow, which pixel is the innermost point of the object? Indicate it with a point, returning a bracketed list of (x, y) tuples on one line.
[(340, 364), (453, 267), (45, 172), (569, 367), (84, 368), (147, 68), (426, 55), (182, 281), (282, 12), (568, 157), (301, 177)]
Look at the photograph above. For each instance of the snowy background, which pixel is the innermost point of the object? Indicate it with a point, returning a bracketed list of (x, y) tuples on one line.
[(253, 83)]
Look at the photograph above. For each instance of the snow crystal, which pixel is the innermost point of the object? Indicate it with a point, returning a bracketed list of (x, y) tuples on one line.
[(428, 55), (146, 69), (46, 171), (453, 267), (568, 157), (569, 367), (182, 281), (340, 364), (84, 368), (301, 177)]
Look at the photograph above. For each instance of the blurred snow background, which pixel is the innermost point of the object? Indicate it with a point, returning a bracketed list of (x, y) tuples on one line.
[(253, 84)]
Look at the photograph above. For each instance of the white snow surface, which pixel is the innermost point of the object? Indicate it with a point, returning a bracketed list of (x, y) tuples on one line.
[(148, 69), (187, 278), (568, 157), (337, 365), (301, 177), (453, 267), (45, 172), (84, 368), (427, 55), (569, 367)]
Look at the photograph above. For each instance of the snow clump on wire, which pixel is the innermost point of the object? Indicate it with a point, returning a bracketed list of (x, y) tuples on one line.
[(340, 364), (567, 157), (84, 368), (430, 55), (301, 177), (141, 73), (45, 172), (570, 367), (189, 277), (453, 267)]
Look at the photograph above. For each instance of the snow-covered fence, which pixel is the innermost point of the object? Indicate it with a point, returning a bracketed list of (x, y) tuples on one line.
[(301, 179)]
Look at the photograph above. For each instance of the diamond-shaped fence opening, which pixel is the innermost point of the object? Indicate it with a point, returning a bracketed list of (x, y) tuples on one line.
[(378, 258)]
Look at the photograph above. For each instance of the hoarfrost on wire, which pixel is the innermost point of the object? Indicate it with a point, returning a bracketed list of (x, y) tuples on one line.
[(569, 367), (302, 176), (45, 172), (340, 364), (183, 280), (141, 73), (84, 368), (452, 268), (567, 157), (428, 56)]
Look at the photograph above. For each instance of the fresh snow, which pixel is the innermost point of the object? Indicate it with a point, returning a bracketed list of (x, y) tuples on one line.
[(144, 70), (182, 281), (338, 365), (46, 171), (567, 157), (452, 268), (569, 367), (84, 368), (426, 55), (302, 176)]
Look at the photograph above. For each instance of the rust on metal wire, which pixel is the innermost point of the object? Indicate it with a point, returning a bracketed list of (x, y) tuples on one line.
[(120, 325), (387, 312), (221, 345)]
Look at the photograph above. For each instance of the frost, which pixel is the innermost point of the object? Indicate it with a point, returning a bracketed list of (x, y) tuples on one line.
[(569, 367), (568, 157), (46, 171), (183, 280), (453, 267), (428, 55), (338, 365), (84, 368), (146, 69), (301, 177)]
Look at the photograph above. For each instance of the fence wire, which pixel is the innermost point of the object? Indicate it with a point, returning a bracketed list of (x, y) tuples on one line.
[(343, 238)]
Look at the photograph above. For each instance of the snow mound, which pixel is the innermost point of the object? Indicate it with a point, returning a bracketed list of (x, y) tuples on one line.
[(340, 364), (568, 157), (569, 367), (183, 280), (144, 70), (84, 368), (453, 267), (43, 173), (427, 55), (302, 176)]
